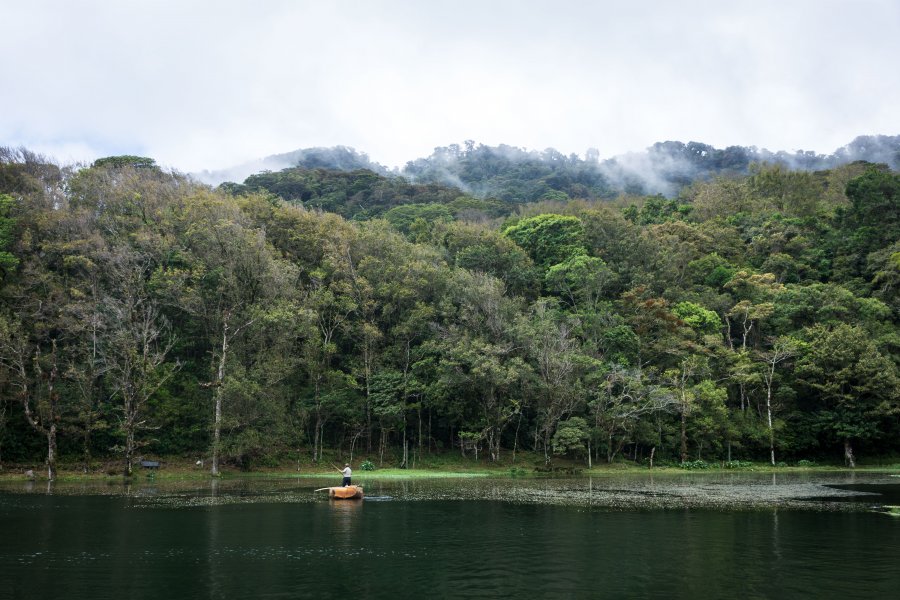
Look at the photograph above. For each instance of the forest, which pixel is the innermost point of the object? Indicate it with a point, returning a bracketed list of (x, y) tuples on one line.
[(751, 315)]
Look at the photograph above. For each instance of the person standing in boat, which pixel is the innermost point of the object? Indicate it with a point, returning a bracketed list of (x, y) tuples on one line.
[(347, 473)]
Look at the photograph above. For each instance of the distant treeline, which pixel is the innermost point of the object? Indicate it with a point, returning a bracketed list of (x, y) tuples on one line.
[(516, 175), (749, 317)]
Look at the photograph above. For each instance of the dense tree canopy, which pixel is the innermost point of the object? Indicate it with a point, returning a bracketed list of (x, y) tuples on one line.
[(141, 312)]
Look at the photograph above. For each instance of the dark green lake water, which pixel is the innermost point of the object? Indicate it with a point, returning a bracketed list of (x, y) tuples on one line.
[(114, 546)]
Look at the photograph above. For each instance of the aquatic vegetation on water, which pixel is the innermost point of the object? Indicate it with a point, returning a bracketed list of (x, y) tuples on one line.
[(720, 491)]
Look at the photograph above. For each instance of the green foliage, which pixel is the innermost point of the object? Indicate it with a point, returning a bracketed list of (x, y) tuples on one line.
[(582, 280), (367, 465), (8, 261), (697, 317), (694, 465), (125, 160), (657, 209), (403, 218), (512, 174), (794, 193), (711, 270), (357, 194), (738, 464), (853, 385), (549, 239), (571, 436), (437, 328), (486, 251)]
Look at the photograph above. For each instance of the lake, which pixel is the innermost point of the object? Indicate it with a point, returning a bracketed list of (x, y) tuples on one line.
[(608, 537)]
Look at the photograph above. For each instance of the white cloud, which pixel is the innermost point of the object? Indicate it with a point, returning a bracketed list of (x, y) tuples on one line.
[(210, 84)]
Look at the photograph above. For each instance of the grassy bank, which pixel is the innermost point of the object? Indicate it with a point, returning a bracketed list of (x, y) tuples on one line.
[(433, 466)]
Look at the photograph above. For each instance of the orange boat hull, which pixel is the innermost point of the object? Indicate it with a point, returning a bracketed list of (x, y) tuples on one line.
[(350, 492)]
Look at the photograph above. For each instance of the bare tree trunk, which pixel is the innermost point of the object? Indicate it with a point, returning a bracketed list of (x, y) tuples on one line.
[(848, 454), (316, 429), (86, 446), (2, 428), (652, 453), (405, 463), (728, 333), (129, 451), (220, 379), (683, 434), (771, 429), (51, 452), (516, 440), (368, 376), (353, 442), (494, 444), (34, 420), (589, 453), (547, 447)]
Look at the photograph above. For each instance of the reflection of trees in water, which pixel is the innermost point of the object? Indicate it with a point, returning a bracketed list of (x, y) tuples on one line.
[(776, 541), (212, 549)]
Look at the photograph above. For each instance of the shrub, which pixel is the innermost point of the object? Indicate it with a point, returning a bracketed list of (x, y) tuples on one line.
[(695, 464), (738, 464), (367, 466)]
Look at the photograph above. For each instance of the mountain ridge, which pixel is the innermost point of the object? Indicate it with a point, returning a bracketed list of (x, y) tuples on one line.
[(516, 174)]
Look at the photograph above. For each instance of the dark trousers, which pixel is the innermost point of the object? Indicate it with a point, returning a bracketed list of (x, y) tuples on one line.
[(346, 482)]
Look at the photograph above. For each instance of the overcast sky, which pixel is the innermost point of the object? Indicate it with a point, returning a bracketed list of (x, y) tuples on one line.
[(210, 84)]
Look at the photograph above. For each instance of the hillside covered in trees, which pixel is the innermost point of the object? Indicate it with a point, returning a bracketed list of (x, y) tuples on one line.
[(751, 315), (516, 175)]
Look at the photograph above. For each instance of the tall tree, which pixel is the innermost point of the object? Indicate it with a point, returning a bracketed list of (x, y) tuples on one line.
[(856, 387), (35, 377), (136, 351), (782, 350)]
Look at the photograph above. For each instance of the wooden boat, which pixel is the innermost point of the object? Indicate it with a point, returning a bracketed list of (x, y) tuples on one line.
[(350, 492)]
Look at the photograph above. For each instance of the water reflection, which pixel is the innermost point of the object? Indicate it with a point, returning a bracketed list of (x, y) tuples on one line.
[(345, 515), (439, 538), (214, 544), (776, 540)]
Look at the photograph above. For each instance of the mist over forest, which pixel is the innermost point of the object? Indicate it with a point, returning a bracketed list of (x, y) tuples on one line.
[(519, 175), (687, 303)]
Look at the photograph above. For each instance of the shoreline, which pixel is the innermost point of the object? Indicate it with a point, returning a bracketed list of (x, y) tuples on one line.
[(181, 472), (805, 489)]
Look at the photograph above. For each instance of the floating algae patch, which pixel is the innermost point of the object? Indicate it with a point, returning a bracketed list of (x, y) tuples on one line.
[(713, 491), (188, 501)]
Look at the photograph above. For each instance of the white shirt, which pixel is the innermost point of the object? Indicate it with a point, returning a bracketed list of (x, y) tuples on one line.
[(347, 472)]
